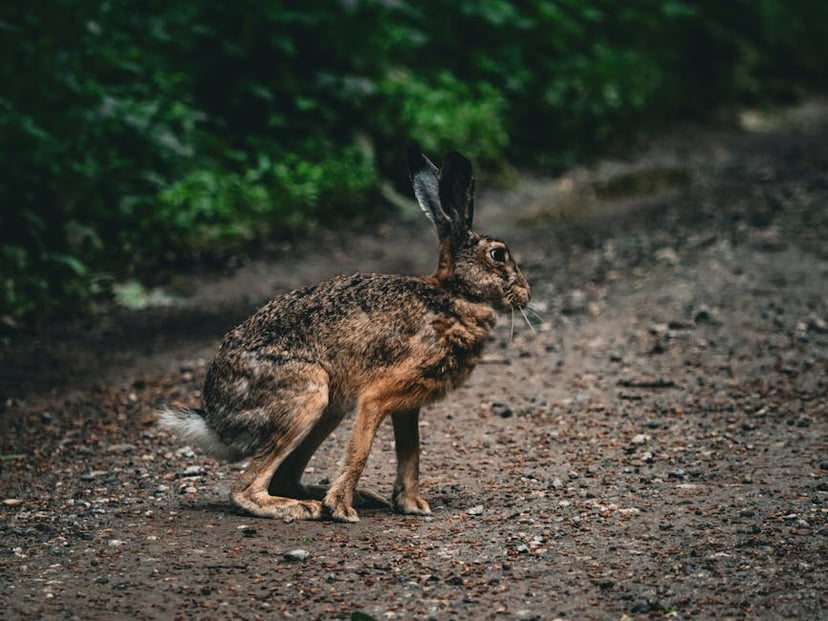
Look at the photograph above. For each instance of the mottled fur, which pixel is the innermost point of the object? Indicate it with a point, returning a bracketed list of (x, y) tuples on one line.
[(383, 344)]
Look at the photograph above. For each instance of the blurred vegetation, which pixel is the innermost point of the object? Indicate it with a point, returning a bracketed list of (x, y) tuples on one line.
[(137, 136)]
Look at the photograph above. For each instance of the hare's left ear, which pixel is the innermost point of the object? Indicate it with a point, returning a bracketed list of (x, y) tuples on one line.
[(456, 186), (424, 180)]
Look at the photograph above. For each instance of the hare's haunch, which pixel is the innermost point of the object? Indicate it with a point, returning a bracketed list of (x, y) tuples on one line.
[(284, 379)]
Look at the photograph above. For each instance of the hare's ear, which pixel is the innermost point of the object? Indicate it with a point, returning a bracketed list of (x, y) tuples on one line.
[(424, 179), (456, 188)]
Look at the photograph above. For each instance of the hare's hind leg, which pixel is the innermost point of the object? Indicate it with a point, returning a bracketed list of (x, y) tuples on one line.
[(287, 479), (407, 498), (296, 416)]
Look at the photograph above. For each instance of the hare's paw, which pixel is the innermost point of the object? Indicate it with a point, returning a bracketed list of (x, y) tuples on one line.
[(264, 505), (341, 512), (308, 510), (411, 504), (339, 509)]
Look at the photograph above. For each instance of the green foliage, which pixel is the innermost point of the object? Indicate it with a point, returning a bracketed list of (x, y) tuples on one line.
[(136, 137), (212, 210), (445, 113)]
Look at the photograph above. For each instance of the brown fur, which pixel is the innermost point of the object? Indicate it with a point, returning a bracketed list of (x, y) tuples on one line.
[(383, 344)]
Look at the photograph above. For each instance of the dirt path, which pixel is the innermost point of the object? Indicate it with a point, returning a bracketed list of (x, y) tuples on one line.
[(659, 447)]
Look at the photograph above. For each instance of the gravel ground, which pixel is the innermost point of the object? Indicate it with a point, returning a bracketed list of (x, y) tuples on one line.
[(654, 447)]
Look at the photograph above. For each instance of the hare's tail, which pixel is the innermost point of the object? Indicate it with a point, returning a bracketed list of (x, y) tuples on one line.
[(189, 425)]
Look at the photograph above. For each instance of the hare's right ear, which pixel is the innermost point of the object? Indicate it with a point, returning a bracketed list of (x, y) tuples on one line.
[(456, 181), (425, 180)]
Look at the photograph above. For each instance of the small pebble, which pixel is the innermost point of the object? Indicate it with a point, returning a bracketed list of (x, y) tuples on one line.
[(502, 409), (476, 510), (667, 255), (523, 548), (12, 502), (297, 555), (702, 314), (817, 324)]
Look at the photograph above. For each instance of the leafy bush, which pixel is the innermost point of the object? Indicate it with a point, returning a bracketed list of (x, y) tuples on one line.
[(137, 137), (210, 210), (445, 113)]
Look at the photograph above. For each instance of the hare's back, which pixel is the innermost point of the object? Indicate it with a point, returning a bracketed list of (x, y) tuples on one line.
[(366, 306)]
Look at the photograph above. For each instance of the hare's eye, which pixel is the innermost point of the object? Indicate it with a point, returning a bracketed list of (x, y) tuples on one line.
[(498, 255)]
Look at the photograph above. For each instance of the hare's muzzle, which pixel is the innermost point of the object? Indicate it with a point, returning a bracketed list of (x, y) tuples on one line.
[(519, 294), (522, 297)]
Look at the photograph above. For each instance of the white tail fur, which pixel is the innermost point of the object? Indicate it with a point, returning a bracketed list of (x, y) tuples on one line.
[(191, 427)]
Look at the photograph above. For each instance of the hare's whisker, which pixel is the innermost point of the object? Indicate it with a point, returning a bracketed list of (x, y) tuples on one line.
[(535, 313), (528, 323), (512, 326)]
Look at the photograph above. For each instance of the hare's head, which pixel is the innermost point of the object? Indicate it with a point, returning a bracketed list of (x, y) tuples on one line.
[(478, 266)]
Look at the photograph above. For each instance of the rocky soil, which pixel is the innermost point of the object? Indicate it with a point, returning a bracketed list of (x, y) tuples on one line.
[(656, 446)]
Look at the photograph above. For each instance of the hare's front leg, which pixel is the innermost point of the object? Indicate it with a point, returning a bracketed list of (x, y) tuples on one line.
[(407, 498), (371, 409)]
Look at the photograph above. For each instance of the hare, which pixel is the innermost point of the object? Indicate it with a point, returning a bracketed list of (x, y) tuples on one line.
[(383, 344)]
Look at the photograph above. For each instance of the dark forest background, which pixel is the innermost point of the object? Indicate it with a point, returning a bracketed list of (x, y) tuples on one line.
[(139, 137)]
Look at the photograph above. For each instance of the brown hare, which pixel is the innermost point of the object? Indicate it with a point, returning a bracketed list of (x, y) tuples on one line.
[(382, 344)]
